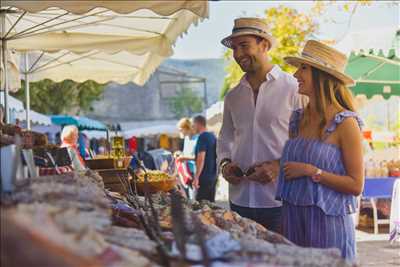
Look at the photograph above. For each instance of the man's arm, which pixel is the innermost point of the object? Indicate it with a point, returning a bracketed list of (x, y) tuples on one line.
[(199, 167)]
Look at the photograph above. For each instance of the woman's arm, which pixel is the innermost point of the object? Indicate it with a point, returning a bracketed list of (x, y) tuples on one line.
[(185, 158), (350, 142)]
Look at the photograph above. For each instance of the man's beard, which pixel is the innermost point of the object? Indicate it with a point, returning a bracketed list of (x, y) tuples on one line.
[(249, 67)]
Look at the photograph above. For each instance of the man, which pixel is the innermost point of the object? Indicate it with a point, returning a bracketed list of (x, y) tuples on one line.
[(205, 156), (255, 124)]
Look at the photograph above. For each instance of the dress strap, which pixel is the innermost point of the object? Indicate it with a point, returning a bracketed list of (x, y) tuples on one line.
[(339, 118), (294, 122)]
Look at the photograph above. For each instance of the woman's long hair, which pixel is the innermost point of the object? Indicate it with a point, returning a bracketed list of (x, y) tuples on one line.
[(328, 91)]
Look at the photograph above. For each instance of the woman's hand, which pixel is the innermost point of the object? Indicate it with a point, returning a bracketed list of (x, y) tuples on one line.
[(196, 183), (294, 170)]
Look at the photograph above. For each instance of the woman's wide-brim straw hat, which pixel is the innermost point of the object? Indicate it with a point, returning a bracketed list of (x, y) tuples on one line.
[(323, 57), (249, 26)]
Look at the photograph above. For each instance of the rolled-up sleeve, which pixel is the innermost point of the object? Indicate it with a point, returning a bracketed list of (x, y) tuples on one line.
[(226, 134)]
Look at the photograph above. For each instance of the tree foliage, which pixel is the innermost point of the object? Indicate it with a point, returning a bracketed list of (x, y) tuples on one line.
[(290, 28), (66, 97), (185, 103)]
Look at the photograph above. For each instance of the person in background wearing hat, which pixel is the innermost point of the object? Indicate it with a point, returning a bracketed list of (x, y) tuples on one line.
[(322, 163), (255, 124)]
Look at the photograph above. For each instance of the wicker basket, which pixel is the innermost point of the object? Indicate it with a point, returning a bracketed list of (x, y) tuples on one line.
[(108, 163), (158, 186)]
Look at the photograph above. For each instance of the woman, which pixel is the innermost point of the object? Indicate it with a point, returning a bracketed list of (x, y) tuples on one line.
[(322, 168), (188, 170), (69, 139)]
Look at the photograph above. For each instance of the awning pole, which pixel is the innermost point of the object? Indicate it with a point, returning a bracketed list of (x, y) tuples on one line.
[(4, 61), (27, 92)]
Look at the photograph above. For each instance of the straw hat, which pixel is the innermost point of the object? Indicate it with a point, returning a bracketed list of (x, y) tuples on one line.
[(323, 57), (249, 26)]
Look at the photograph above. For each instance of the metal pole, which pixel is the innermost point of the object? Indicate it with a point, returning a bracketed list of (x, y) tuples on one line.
[(4, 58), (27, 93), (388, 114), (205, 94)]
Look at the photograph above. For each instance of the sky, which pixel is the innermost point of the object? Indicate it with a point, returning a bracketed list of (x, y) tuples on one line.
[(203, 40)]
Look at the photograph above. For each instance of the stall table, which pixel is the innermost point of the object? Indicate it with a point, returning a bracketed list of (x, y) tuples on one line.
[(375, 188)]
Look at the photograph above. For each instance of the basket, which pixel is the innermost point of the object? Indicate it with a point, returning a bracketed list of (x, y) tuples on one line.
[(157, 186), (108, 163)]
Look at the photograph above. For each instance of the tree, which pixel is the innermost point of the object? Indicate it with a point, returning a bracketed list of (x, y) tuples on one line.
[(290, 28), (67, 96), (185, 103)]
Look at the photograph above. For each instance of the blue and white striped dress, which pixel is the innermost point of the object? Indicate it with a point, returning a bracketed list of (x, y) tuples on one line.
[(314, 215)]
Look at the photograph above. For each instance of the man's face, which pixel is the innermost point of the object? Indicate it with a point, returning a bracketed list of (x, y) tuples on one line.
[(248, 52), (196, 127)]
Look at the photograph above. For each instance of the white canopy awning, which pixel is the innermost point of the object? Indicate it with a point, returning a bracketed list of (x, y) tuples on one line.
[(162, 7), (149, 128), (95, 33), (17, 110), (121, 67)]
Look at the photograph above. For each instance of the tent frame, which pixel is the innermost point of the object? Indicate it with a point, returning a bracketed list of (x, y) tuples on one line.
[(37, 29)]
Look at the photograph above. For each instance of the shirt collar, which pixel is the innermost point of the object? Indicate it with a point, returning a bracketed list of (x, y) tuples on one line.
[(273, 74)]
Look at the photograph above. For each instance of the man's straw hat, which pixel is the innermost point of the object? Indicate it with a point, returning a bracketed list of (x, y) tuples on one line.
[(323, 57), (249, 26)]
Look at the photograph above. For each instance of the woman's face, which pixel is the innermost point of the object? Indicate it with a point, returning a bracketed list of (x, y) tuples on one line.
[(184, 132), (304, 78), (75, 138)]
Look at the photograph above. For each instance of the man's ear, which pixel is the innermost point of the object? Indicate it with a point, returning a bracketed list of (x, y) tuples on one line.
[(266, 45)]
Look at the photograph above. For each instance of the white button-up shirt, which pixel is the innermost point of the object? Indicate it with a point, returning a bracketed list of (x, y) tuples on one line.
[(253, 133)]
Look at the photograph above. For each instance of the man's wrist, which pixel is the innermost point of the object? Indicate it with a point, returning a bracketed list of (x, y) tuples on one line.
[(223, 164), (224, 161)]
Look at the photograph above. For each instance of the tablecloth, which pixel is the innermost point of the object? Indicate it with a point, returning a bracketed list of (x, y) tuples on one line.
[(378, 187), (395, 207)]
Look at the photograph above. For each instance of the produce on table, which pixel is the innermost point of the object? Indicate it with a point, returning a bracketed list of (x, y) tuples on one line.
[(71, 220)]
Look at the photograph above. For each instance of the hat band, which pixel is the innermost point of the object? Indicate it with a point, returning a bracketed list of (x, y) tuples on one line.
[(320, 61), (238, 29)]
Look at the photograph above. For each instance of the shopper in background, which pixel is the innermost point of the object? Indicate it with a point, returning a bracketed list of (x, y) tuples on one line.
[(205, 179), (69, 139), (186, 160)]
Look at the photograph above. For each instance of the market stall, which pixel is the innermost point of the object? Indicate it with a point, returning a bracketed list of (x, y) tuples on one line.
[(71, 220), (82, 123), (378, 73), (97, 40), (378, 188)]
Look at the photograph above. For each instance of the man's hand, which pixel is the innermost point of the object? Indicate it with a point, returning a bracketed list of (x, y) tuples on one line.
[(265, 172), (232, 173), (195, 183)]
